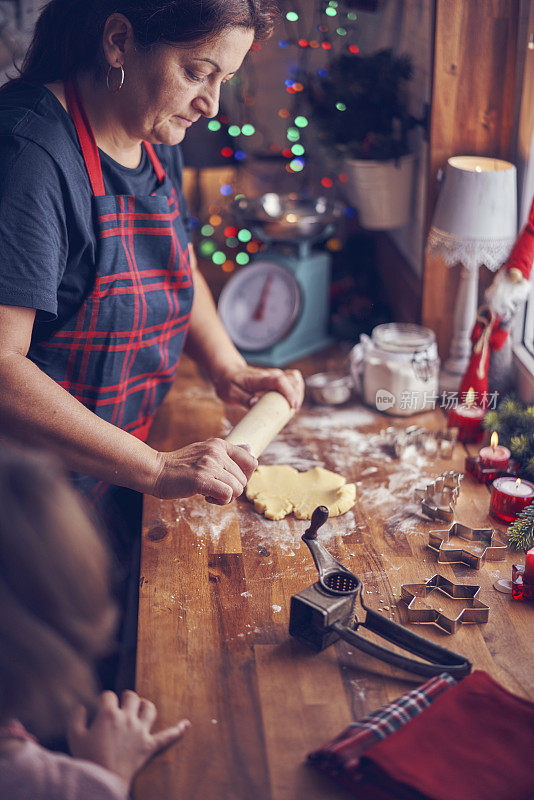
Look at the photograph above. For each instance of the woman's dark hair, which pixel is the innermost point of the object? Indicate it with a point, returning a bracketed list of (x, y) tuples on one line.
[(68, 33)]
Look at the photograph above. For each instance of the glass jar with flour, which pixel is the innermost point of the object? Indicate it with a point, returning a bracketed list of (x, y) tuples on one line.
[(396, 369)]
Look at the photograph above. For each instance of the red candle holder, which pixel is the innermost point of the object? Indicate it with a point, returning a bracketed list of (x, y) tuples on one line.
[(521, 590), (496, 457), (509, 496), (473, 465), (468, 420)]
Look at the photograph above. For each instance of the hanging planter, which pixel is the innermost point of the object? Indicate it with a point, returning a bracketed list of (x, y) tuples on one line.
[(363, 119), (380, 190)]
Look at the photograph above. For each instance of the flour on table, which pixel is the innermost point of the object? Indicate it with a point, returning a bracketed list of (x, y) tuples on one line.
[(286, 452), (215, 519), (395, 500), (327, 418)]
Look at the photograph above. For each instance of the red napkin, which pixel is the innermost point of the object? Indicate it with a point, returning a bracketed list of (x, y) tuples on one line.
[(475, 742)]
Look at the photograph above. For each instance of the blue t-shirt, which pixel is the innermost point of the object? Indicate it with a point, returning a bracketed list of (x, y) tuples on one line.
[(48, 242)]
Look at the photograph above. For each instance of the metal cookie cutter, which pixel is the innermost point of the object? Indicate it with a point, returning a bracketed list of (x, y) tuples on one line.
[(439, 497), (493, 548), (427, 442), (474, 610)]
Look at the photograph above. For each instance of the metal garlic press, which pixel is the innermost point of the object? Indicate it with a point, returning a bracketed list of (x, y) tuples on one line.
[(333, 609)]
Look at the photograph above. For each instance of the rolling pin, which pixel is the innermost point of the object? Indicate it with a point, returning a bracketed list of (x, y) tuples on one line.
[(261, 424)]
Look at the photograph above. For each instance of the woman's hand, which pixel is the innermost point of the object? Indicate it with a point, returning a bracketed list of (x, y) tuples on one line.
[(119, 737), (245, 385), (214, 468)]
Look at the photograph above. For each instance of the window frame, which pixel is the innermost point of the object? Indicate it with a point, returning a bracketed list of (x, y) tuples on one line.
[(523, 359)]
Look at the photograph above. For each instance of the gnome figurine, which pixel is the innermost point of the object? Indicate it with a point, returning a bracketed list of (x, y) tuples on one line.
[(490, 365)]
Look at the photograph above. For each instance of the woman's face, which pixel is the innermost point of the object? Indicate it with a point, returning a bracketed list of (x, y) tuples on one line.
[(168, 89)]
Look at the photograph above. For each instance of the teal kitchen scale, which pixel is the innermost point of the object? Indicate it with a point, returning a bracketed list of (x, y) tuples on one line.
[(276, 310)]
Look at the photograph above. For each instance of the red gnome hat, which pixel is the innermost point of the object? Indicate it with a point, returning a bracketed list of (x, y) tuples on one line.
[(522, 255)]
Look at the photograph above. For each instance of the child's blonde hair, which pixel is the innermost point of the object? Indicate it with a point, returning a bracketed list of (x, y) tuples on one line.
[(56, 613)]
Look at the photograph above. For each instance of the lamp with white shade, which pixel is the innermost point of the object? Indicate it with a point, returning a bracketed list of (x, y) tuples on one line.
[(474, 224)]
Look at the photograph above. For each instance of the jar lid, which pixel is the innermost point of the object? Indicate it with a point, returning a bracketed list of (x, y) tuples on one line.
[(402, 337)]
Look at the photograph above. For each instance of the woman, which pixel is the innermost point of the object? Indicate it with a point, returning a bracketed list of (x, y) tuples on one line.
[(98, 281), (56, 616), (97, 275)]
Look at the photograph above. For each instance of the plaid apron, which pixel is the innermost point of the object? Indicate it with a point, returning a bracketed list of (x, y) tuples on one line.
[(119, 352)]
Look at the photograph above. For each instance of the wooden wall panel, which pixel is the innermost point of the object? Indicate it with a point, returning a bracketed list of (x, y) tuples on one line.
[(472, 113)]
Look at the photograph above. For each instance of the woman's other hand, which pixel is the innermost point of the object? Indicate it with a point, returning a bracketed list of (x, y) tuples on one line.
[(119, 737), (214, 468), (245, 385)]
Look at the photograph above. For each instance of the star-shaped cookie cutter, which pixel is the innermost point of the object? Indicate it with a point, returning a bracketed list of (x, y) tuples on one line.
[(474, 610), (439, 497), (494, 548)]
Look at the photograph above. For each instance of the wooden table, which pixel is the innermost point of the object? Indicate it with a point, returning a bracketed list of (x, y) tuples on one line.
[(215, 589)]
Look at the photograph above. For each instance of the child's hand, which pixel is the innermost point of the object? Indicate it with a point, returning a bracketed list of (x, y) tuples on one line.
[(119, 737)]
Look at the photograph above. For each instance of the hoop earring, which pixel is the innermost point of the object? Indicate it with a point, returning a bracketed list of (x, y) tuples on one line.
[(119, 87)]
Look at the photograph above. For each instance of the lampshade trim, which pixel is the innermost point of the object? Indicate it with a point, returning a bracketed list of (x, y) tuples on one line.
[(471, 253)]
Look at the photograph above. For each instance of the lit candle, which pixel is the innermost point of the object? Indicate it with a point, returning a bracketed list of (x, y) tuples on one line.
[(528, 575), (509, 497), (495, 456), (468, 419)]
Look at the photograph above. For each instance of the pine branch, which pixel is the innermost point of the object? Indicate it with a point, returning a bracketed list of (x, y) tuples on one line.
[(521, 532), (513, 420)]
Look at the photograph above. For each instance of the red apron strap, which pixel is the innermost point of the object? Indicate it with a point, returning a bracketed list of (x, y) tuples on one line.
[(86, 138), (156, 163)]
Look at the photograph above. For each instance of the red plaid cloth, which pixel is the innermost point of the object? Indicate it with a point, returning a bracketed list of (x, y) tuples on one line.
[(340, 758), (476, 742)]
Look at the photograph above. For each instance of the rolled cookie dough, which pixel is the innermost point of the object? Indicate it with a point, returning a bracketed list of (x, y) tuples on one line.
[(279, 490)]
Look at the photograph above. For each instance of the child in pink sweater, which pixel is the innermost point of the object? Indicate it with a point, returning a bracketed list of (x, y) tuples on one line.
[(56, 618)]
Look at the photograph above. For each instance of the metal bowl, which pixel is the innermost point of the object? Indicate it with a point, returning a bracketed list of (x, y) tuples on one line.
[(287, 217), (329, 388)]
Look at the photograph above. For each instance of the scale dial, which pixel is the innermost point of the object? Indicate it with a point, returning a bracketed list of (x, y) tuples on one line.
[(259, 305)]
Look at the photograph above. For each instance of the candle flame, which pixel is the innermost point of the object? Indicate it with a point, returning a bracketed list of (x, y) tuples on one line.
[(470, 397), (494, 439), (518, 483)]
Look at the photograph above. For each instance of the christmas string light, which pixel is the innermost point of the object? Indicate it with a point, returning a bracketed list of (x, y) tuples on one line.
[(330, 29), (244, 235)]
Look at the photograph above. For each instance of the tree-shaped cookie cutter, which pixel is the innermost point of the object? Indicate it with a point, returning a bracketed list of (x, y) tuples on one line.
[(494, 549), (439, 497), (473, 611)]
